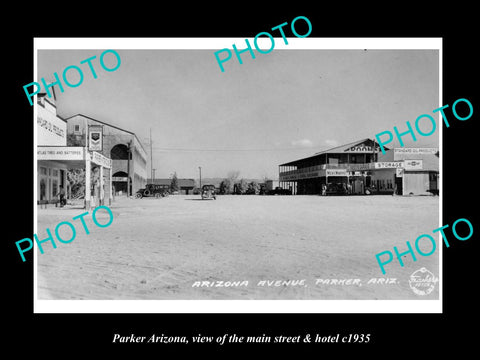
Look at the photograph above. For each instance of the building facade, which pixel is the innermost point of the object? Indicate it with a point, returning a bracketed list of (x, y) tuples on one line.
[(51, 131), (55, 158), (129, 158), (363, 168)]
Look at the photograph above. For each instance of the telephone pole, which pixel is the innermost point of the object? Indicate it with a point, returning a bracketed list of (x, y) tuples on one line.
[(151, 156)]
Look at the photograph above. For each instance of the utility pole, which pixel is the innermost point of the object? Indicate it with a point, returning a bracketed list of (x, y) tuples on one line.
[(200, 169), (128, 167), (153, 174), (151, 156)]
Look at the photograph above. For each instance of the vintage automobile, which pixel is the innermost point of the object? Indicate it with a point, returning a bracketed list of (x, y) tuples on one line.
[(279, 191), (153, 190), (208, 192), (337, 189)]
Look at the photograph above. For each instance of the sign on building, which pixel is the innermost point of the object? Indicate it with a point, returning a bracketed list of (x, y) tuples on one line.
[(401, 153), (367, 166), (99, 159), (95, 138), (388, 165), (413, 164), (362, 148), (336, 172), (60, 153), (51, 130), (119, 178), (399, 172)]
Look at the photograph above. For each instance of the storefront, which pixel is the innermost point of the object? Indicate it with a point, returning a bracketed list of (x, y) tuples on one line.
[(53, 163), (420, 174), (54, 160), (129, 158), (361, 168)]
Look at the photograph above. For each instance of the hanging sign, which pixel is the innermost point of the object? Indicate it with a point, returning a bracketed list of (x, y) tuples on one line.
[(101, 160), (95, 138)]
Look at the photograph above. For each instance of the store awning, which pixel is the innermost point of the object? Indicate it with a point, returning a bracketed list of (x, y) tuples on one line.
[(73, 156)]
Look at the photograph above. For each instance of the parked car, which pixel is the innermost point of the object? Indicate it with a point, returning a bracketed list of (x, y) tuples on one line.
[(337, 189), (263, 189), (208, 192), (153, 190), (279, 191)]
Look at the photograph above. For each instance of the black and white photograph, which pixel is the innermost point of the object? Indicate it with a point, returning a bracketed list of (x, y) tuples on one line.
[(214, 179), (265, 181)]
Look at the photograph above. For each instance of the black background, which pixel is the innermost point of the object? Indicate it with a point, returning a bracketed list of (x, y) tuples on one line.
[(60, 335)]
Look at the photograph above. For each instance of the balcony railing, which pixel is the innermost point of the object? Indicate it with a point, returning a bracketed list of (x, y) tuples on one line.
[(348, 166)]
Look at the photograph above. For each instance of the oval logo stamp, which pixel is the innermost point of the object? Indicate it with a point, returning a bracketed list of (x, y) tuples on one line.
[(422, 282)]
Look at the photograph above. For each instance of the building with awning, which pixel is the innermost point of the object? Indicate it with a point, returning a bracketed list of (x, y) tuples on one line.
[(362, 167), (129, 158), (54, 158)]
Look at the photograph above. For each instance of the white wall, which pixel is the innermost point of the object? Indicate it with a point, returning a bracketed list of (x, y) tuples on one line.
[(416, 182), (51, 130)]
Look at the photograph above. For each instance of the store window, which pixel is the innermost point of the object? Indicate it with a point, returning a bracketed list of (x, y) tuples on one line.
[(54, 187), (55, 172), (43, 171)]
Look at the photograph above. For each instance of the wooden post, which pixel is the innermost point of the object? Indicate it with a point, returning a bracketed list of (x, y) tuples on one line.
[(128, 168), (110, 186), (102, 192), (87, 179)]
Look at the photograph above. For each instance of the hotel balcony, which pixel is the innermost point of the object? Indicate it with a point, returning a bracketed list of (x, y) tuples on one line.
[(320, 170)]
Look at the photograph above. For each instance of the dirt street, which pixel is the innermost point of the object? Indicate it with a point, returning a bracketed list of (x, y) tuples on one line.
[(239, 247)]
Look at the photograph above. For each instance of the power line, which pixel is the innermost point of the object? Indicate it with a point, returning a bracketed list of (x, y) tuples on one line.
[(198, 149)]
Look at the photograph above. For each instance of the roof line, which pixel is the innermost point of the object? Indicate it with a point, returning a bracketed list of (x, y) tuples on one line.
[(330, 149), (116, 127), (100, 121), (341, 146)]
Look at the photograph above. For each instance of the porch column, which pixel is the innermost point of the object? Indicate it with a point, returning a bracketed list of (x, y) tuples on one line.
[(87, 179), (110, 187), (102, 192), (65, 187)]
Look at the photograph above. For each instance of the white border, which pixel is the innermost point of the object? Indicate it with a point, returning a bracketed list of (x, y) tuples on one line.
[(240, 306)]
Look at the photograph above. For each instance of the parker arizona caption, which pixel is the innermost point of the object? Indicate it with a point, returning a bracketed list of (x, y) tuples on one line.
[(234, 338)]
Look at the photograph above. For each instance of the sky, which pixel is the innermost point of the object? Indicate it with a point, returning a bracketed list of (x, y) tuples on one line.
[(276, 108)]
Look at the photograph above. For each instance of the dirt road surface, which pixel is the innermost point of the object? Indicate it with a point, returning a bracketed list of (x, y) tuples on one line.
[(262, 247)]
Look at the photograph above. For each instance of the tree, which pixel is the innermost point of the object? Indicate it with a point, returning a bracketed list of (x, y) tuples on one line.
[(233, 176), (174, 182), (241, 186), (76, 179), (225, 186), (253, 188)]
